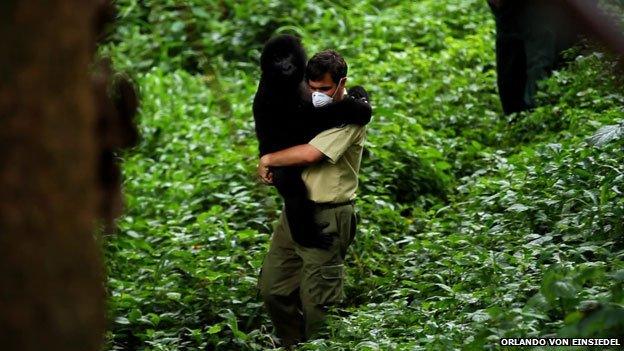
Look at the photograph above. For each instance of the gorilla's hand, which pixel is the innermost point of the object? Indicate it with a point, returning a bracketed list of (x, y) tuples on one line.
[(311, 235), (359, 93), (314, 238), (304, 228), (323, 240)]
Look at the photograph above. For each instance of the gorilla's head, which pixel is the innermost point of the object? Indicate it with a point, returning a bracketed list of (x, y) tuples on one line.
[(283, 60)]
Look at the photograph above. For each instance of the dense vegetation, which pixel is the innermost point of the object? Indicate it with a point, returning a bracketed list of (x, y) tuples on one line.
[(473, 226)]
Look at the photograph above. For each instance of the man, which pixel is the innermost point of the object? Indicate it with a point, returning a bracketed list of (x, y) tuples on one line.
[(299, 283)]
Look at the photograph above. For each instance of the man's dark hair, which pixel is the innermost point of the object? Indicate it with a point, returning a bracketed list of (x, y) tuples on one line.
[(327, 61)]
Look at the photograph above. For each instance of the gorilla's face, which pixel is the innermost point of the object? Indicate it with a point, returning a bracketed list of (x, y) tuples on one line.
[(283, 60), (284, 64)]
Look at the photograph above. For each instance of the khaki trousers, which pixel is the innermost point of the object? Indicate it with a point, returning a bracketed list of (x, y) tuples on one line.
[(297, 283)]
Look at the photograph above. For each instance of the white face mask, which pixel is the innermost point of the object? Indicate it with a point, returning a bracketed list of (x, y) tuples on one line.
[(319, 99)]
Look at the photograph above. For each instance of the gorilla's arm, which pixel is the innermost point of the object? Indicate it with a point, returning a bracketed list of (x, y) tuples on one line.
[(347, 111), (261, 125), (352, 109)]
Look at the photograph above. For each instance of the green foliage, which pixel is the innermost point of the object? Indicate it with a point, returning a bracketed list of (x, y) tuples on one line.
[(472, 226), (192, 220)]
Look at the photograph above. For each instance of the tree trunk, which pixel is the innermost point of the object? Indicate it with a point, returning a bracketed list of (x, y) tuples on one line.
[(51, 278)]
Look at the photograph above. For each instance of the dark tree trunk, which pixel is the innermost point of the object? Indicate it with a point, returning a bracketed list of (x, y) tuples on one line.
[(51, 277)]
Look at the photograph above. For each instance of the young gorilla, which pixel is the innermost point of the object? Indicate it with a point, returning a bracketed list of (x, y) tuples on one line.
[(284, 116)]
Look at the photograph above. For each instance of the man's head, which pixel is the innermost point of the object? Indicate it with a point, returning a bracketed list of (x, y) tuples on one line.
[(324, 72)]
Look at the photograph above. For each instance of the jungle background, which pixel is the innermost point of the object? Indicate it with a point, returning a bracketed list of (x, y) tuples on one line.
[(473, 225)]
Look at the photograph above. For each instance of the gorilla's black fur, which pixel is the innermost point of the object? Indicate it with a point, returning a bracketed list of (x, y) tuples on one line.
[(284, 117)]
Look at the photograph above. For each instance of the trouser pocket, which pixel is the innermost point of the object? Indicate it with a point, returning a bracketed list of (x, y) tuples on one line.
[(326, 287)]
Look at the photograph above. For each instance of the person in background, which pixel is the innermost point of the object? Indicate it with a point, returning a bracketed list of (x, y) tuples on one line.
[(530, 36)]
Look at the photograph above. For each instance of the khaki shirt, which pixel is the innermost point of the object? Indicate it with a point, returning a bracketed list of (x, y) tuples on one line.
[(336, 178)]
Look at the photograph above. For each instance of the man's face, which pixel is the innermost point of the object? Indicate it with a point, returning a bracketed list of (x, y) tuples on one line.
[(326, 85)]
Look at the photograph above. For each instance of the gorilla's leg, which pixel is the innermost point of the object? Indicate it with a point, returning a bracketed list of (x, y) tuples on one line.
[(299, 209)]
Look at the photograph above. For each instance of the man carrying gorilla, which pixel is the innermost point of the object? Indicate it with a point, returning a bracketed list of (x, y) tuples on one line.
[(303, 273), (285, 116)]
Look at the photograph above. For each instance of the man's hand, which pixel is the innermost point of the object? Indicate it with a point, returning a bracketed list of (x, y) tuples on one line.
[(264, 172), (340, 90)]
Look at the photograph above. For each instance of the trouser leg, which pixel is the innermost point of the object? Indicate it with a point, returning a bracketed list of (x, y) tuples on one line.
[(279, 285), (511, 74), (541, 55), (322, 276), (546, 33), (510, 55)]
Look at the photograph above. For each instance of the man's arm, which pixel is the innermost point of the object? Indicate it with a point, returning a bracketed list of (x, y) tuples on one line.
[(300, 155)]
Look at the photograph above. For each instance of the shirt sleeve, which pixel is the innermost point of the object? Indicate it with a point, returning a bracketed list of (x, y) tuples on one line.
[(334, 142)]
